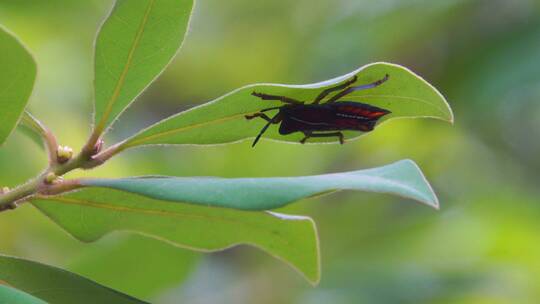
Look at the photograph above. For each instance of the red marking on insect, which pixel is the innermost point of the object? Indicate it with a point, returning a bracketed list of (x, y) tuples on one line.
[(328, 118)]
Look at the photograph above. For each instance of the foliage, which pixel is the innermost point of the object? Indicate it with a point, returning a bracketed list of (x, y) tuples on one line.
[(56, 285), (16, 81), (134, 45)]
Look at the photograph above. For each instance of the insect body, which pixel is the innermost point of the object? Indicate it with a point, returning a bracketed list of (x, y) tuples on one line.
[(323, 119)]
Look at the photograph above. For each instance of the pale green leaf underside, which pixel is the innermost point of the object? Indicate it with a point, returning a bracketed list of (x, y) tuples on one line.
[(17, 77), (90, 213), (222, 121), (10, 295), (32, 128), (134, 45), (31, 134), (402, 178), (56, 285)]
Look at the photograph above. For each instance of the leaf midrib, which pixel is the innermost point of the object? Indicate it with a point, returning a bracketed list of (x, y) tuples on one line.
[(180, 129), (162, 213), (141, 140), (127, 66)]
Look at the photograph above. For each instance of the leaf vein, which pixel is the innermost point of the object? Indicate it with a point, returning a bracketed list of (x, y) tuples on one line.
[(180, 129), (125, 71), (162, 213)]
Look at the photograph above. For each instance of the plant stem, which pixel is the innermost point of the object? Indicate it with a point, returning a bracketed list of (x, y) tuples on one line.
[(48, 137), (40, 185), (106, 154), (90, 147), (8, 200)]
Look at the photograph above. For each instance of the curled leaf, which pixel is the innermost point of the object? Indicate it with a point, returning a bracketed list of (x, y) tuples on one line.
[(402, 178)]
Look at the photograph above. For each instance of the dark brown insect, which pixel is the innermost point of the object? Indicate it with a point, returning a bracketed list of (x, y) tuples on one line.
[(328, 118)]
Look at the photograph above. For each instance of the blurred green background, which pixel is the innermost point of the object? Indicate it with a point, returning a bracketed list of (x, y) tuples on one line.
[(483, 246)]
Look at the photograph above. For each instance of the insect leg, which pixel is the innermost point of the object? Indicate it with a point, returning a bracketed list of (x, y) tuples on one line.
[(306, 136), (358, 88), (270, 109), (274, 120), (284, 99), (261, 114), (336, 88), (309, 134)]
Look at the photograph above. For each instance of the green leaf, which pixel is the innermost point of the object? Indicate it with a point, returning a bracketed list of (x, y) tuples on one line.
[(31, 134), (90, 213), (14, 296), (17, 77), (134, 45), (55, 285), (222, 121), (115, 261), (402, 178), (33, 129)]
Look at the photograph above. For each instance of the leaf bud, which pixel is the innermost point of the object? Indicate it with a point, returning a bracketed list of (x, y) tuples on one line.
[(52, 178), (63, 154)]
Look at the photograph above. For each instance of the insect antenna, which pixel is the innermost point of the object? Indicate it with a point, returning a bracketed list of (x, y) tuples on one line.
[(261, 133), (358, 88), (370, 85)]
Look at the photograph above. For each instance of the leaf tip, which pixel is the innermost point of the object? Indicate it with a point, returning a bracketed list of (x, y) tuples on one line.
[(449, 112), (431, 200), (311, 273)]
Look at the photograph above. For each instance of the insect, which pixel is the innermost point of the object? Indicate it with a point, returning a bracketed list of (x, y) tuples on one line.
[(326, 119)]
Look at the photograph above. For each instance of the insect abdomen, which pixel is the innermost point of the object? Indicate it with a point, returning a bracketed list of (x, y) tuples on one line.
[(358, 110), (331, 117)]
